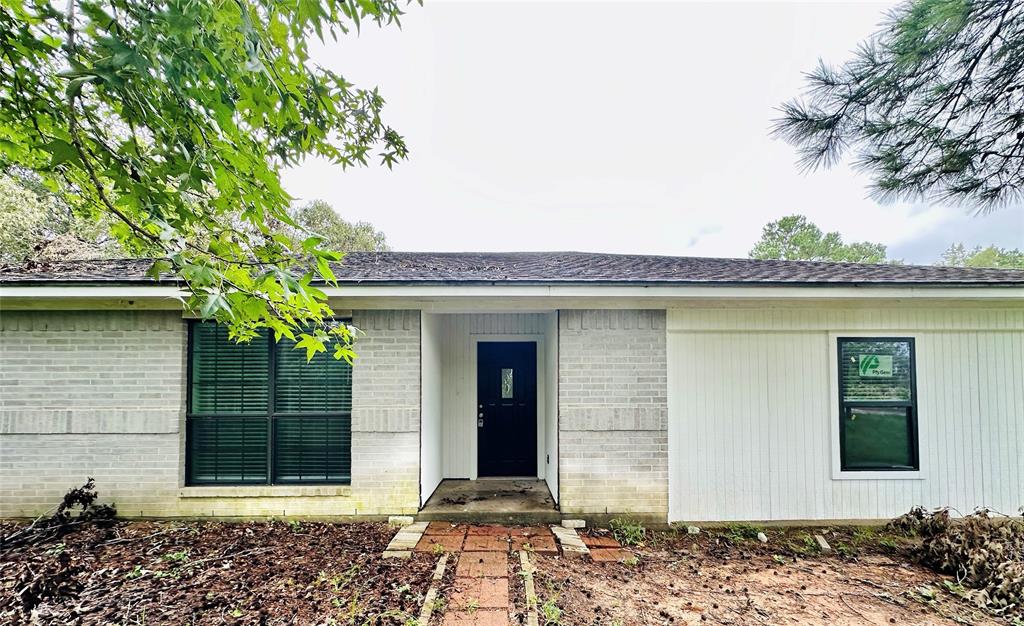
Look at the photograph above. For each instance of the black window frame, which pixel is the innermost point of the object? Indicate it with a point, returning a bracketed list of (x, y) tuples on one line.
[(270, 417), (910, 405)]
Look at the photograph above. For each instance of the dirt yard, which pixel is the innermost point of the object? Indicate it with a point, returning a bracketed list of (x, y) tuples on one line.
[(727, 576), (135, 573)]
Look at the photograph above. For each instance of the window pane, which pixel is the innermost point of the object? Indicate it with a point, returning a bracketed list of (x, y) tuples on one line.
[(323, 385), (311, 443), (875, 370), (227, 450), (228, 378), (506, 383), (877, 438), (312, 449)]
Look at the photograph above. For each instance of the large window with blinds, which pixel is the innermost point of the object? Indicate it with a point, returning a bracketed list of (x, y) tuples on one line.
[(877, 404), (258, 413)]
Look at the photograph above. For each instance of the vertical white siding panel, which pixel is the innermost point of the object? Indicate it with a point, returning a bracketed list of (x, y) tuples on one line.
[(934, 443), (431, 441), (989, 401), (1015, 412), (1000, 362), (751, 412), (798, 423), (550, 331), (679, 350)]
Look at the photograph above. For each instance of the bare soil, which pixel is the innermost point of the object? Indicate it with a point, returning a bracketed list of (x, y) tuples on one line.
[(134, 573), (728, 577), (213, 573)]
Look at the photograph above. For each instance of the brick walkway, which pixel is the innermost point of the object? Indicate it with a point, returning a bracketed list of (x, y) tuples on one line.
[(480, 595)]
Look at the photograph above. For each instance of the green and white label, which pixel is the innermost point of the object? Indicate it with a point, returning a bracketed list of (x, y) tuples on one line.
[(876, 366)]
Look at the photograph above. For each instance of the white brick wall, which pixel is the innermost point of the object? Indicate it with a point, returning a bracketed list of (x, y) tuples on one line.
[(613, 440), (90, 393), (102, 394), (386, 409)]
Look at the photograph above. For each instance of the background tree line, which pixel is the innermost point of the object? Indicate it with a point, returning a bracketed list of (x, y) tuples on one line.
[(795, 238), (37, 224)]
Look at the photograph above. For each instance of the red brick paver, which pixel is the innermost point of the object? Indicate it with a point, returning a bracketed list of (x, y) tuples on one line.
[(480, 593), (600, 542), (609, 554), (476, 618), (490, 529), (444, 528), (539, 543), (531, 531), (482, 565), (448, 543), (486, 543)]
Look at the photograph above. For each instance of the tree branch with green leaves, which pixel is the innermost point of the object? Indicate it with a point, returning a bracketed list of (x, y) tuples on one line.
[(172, 120), (931, 106)]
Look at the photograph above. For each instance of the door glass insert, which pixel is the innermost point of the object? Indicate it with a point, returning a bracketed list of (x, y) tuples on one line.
[(506, 383)]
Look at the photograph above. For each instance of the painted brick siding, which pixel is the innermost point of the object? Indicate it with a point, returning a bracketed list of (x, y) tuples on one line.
[(386, 409), (613, 413), (90, 393), (102, 394)]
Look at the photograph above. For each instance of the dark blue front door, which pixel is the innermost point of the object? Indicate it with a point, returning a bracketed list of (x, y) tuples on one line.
[(507, 408)]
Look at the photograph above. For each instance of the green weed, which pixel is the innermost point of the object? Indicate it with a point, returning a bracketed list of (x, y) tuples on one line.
[(550, 612), (804, 545), (181, 556), (742, 532), (56, 550), (136, 572), (628, 532)]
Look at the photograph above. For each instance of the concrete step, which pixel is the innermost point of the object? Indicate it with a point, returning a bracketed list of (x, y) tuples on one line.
[(519, 518)]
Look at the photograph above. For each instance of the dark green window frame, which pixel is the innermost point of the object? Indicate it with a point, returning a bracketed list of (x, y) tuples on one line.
[(848, 409), (268, 446)]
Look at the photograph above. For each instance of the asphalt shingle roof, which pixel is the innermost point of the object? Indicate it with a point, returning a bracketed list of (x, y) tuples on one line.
[(560, 268)]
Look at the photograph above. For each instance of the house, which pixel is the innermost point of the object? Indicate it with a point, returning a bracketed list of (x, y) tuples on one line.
[(664, 388)]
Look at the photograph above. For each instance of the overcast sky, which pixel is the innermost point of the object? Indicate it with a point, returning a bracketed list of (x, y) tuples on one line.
[(614, 127)]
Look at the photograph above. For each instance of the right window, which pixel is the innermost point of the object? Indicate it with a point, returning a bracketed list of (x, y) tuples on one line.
[(877, 404)]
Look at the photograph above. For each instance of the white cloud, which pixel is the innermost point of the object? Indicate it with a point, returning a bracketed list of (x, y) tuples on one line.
[(606, 126)]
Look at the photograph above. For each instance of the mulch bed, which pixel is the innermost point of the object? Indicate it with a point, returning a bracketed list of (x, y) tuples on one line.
[(212, 573)]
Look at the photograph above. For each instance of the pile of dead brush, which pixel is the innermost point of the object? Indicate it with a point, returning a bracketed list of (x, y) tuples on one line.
[(984, 551), (52, 578), (77, 509)]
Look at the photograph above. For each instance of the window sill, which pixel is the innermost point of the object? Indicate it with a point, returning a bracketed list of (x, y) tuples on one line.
[(265, 491), (878, 475)]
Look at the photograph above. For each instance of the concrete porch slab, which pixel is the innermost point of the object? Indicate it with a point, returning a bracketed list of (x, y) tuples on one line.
[(491, 500)]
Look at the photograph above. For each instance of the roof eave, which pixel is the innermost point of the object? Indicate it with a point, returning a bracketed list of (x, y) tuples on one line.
[(549, 283)]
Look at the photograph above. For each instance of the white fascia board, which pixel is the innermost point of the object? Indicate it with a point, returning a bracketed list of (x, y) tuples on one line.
[(77, 291), (675, 291), (668, 292)]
